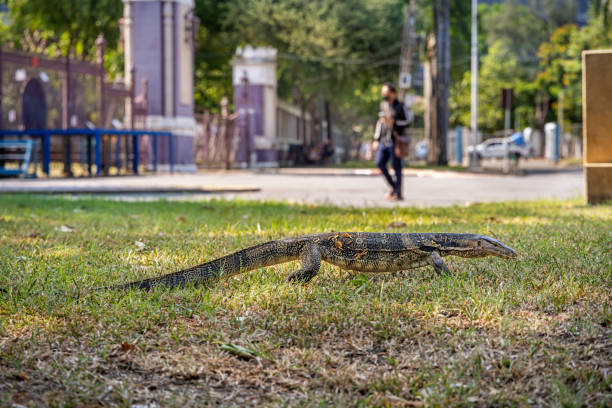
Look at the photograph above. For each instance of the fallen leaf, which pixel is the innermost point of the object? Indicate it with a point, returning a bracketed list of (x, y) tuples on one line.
[(240, 351), (397, 224), (21, 376), (179, 218), (125, 347)]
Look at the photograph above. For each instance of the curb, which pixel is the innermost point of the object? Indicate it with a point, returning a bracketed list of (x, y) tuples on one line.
[(127, 189)]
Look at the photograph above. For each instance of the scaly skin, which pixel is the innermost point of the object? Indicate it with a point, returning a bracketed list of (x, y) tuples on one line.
[(357, 251)]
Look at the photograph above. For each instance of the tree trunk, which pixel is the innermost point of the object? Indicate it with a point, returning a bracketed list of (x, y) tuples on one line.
[(431, 105), (329, 121), (439, 54)]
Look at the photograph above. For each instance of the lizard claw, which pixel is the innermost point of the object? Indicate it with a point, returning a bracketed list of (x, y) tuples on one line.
[(301, 276)]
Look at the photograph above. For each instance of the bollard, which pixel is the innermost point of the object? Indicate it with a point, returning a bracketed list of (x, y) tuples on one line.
[(556, 144), (459, 146)]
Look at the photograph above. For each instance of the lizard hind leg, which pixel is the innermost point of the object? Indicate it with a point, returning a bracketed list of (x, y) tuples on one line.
[(438, 264), (310, 257)]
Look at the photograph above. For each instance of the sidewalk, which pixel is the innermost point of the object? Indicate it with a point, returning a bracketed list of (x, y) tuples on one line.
[(341, 187), (491, 168), (124, 185)]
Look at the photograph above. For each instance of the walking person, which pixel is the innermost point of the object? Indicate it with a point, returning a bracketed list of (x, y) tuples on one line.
[(393, 119)]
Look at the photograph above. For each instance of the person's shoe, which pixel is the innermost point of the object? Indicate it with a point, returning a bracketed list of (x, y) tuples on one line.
[(390, 195), (395, 197)]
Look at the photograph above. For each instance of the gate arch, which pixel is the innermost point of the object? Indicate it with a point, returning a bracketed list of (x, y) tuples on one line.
[(34, 105)]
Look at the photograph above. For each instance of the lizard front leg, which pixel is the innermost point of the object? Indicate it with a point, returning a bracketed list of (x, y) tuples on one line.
[(310, 257), (438, 264)]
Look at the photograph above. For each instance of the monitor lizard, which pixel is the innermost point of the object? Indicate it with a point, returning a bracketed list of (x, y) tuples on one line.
[(357, 251)]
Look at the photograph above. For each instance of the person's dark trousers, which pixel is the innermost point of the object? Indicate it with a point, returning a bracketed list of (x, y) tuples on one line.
[(384, 153)]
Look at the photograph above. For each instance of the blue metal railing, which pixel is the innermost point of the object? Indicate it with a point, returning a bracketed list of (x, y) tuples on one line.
[(96, 134)]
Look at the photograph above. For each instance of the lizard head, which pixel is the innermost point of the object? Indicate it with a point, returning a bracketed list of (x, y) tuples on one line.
[(474, 246), (490, 246)]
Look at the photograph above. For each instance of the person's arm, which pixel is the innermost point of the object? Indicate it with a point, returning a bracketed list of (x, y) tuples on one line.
[(377, 132), (407, 115)]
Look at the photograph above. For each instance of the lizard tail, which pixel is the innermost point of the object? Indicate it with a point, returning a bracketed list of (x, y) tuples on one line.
[(258, 256)]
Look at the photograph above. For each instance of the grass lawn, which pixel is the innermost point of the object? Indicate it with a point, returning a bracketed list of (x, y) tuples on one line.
[(537, 331)]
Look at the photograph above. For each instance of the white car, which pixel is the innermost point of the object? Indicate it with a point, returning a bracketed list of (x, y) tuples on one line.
[(499, 148)]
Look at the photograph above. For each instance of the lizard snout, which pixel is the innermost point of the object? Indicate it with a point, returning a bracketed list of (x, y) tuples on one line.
[(495, 247)]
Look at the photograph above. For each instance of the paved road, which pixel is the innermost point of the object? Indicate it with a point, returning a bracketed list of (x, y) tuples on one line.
[(421, 188)]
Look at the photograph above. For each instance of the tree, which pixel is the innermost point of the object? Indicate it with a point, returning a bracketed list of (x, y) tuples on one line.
[(440, 78), (64, 27), (561, 66), (500, 68), (510, 60), (213, 54), (326, 48), (520, 39), (603, 9)]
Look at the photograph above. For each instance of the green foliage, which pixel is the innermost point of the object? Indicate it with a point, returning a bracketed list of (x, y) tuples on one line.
[(500, 68), (519, 31), (603, 10), (69, 26), (561, 66), (65, 27), (326, 48), (528, 52), (342, 51), (215, 47)]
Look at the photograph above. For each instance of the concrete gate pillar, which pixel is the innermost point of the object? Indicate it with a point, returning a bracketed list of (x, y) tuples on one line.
[(254, 81), (597, 124), (158, 43)]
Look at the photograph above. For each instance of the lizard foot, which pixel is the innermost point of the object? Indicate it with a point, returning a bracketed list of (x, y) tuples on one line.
[(302, 275), (439, 265), (311, 262)]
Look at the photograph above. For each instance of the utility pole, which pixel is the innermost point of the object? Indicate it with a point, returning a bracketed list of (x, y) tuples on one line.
[(474, 162), (507, 102), (442, 17), (405, 73)]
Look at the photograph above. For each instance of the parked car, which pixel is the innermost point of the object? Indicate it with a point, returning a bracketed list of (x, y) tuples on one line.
[(499, 148)]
